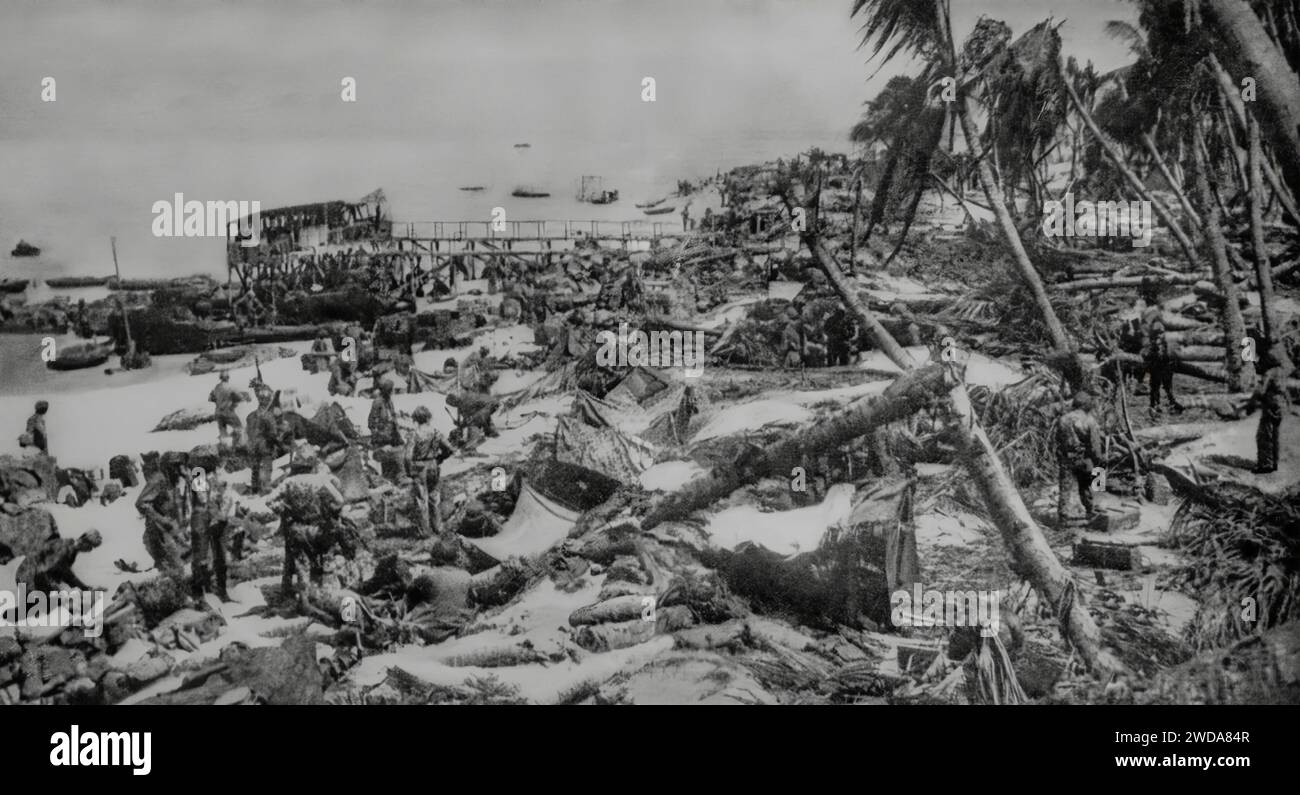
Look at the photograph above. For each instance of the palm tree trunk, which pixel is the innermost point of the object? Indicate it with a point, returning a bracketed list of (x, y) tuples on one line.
[(1250, 52), (993, 194), (881, 197), (1154, 151), (901, 399), (1234, 328), (857, 211), (1229, 93), (1118, 160), (1255, 198), (1031, 556)]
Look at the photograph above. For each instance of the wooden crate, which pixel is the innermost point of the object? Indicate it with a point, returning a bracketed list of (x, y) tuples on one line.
[(1115, 519), (1105, 555)]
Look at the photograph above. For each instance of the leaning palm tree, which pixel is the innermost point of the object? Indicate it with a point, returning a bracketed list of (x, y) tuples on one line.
[(923, 29), (1135, 182), (1244, 46), (1234, 328), (895, 118)]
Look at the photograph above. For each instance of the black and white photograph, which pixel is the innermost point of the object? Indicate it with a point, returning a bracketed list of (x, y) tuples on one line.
[(671, 352)]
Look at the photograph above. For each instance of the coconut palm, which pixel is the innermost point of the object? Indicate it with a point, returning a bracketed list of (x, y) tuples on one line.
[(1243, 44), (923, 30)]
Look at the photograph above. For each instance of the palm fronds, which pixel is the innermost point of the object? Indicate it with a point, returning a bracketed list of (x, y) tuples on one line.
[(1244, 547)]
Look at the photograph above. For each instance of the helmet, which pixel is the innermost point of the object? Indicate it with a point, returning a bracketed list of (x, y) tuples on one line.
[(421, 414)]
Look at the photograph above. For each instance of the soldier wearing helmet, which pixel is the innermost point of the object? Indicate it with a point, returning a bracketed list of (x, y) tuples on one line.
[(426, 449)]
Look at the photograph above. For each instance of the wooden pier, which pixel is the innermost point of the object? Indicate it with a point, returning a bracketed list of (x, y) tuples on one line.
[(416, 254)]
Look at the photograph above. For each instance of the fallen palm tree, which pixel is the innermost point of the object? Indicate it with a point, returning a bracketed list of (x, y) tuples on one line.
[(904, 397), (1128, 281), (1031, 556)]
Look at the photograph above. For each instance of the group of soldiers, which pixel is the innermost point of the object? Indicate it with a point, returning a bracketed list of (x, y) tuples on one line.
[(187, 504), (812, 337), (1079, 438)]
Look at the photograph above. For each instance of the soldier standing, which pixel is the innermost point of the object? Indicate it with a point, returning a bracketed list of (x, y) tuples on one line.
[(210, 513), (792, 338), (1160, 365), (262, 429), (163, 510), (226, 398), (1078, 451), (1270, 396), (425, 452), (382, 420)]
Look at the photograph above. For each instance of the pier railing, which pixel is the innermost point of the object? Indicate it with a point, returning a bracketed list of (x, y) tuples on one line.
[(529, 230)]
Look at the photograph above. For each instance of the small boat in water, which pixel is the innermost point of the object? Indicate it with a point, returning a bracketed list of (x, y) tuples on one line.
[(79, 357), (25, 249), (648, 205), (659, 210), (63, 282), (472, 187), (13, 285), (523, 146), (526, 192), (593, 190)]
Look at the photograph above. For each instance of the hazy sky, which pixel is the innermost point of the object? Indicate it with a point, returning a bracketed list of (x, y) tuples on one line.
[(144, 71)]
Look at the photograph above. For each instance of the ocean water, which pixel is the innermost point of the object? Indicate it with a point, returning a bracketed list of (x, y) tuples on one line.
[(70, 198)]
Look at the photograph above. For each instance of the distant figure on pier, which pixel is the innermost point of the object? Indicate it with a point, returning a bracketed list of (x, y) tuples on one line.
[(686, 218)]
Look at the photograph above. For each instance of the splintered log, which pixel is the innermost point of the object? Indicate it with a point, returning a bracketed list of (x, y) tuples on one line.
[(907, 395), (1128, 281)]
